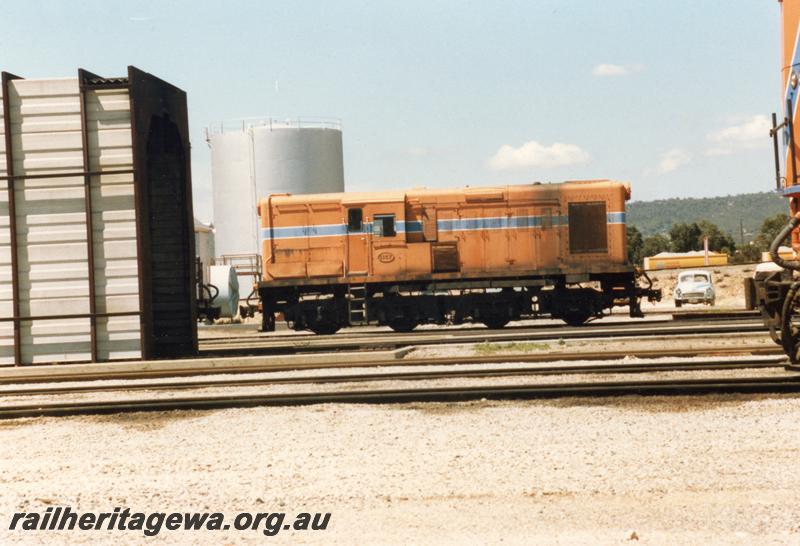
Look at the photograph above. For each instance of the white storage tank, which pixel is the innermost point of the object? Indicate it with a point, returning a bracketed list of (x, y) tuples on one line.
[(253, 159)]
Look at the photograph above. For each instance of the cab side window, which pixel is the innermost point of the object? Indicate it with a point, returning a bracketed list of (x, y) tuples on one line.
[(355, 220), (383, 225)]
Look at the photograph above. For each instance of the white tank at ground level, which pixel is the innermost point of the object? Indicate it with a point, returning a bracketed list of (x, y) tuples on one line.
[(254, 159)]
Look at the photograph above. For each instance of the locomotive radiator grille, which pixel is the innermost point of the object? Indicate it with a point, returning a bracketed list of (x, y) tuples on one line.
[(587, 227)]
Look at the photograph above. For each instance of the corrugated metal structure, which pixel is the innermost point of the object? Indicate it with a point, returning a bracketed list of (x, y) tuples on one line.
[(253, 159), (96, 226)]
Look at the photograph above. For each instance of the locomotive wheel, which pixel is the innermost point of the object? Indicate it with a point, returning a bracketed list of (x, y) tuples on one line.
[(495, 323), (790, 323), (575, 318), (324, 328), (402, 325)]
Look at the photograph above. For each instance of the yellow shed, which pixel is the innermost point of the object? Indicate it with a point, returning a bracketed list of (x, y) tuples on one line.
[(684, 260)]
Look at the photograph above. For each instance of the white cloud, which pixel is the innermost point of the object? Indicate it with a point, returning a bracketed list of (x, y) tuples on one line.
[(718, 151), (754, 128), (419, 152), (750, 132), (533, 154), (608, 69), (672, 160)]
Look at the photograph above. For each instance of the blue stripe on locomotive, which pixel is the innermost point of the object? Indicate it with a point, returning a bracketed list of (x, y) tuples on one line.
[(413, 226)]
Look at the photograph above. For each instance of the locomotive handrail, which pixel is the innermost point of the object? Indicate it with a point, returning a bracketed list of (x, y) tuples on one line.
[(773, 133), (790, 127)]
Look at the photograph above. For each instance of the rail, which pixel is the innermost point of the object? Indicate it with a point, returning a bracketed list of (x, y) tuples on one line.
[(215, 367), (333, 343), (457, 373), (687, 387)]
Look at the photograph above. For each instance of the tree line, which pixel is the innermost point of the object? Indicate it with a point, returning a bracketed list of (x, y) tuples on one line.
[(732, 213), (685, 237)]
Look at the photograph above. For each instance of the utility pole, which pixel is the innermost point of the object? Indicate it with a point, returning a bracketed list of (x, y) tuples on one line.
[(741, 231)]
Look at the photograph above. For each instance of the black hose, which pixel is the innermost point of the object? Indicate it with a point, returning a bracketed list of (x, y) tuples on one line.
[(775, 246), (211, 296), (252, 293), (643, 273), (788, 333)]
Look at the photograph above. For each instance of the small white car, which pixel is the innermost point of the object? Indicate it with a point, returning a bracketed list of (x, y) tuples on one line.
[(694, 287)]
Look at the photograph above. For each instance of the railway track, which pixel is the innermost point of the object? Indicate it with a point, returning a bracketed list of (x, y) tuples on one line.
[(379, 341), (53, 375), (637, 368), (732, 314), (771, 385), (218, 332), (215, 334)]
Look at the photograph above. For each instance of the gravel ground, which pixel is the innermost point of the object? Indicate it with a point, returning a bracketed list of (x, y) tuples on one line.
[(682, 470), (679, 470)]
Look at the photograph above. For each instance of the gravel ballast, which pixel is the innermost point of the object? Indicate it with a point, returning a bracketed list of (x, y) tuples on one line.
[(716, 469)]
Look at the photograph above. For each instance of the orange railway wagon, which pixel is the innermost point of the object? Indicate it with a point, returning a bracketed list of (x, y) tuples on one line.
[(488, 255)]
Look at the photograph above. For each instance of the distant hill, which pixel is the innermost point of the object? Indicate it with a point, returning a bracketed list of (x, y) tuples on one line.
[(652, 217)]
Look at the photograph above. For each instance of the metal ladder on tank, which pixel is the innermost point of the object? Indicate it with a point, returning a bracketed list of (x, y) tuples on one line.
[(357, 304)]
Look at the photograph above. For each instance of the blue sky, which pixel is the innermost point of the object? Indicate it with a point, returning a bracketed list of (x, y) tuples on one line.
[(671, 96)]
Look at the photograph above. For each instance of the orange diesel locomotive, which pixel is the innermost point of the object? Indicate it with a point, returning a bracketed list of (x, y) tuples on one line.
[(489, 255)]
